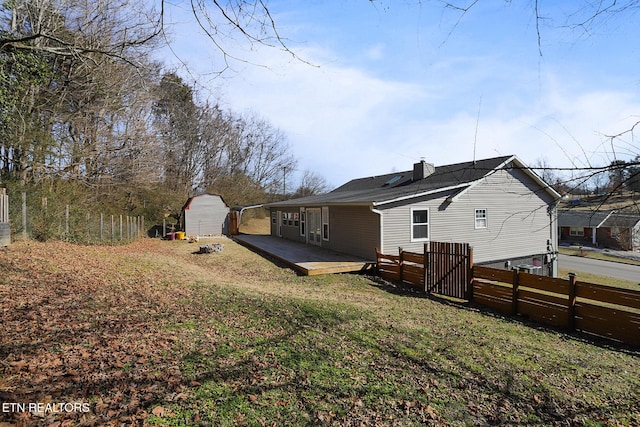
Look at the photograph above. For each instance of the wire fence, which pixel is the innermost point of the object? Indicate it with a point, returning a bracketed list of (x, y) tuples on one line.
[(45, 218)]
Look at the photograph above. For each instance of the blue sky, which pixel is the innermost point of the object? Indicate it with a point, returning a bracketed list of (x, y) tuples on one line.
[(396, 81)]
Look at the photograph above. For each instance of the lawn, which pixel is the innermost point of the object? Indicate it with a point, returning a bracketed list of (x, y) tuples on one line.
[(596, 255), (153, 334)]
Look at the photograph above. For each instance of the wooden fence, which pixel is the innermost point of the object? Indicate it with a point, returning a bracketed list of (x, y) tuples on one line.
[(605, 311), (447, 272)]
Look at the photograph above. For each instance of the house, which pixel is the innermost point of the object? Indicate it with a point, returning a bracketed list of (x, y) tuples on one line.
[(498, 205), (607, 228), (205, 214)]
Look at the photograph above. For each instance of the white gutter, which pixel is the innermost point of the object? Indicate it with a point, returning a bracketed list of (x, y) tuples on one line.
[(594, 229), (243, 209)]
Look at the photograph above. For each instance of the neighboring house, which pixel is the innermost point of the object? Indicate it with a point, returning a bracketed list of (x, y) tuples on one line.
[(600, 228), (498, 205), (205, 214)]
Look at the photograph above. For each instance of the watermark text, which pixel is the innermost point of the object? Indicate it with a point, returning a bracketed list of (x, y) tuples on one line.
[(47, 408)]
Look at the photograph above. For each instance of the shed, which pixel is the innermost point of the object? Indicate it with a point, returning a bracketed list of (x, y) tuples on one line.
[(205, 214)]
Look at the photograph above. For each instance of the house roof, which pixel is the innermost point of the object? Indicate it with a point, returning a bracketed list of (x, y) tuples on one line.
[(597, 219), (576, 218), (397, 186)]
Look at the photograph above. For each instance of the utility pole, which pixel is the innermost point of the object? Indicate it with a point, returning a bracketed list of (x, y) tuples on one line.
[(284, 181)]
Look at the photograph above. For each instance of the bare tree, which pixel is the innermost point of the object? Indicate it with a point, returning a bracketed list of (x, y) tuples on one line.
[(77, 29), (311, 184)]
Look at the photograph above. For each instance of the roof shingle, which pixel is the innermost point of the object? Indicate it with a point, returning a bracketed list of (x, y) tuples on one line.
[(382, 188)]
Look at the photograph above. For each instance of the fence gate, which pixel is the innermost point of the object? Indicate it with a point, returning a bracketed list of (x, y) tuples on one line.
[(448, 269)]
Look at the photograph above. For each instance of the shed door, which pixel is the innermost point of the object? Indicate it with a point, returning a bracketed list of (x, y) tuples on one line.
[(314, 225)]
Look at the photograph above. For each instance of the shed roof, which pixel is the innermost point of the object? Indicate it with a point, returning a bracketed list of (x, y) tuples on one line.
[(187, 205), (387, 188)]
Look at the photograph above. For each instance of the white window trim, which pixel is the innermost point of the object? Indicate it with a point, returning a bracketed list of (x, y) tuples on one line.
[(303, 222), (325, 222), (486, 219), (428, 224)]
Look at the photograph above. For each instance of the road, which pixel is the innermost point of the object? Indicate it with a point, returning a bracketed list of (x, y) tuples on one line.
[(602, 268)]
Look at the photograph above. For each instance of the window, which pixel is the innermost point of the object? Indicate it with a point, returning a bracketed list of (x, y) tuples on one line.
[(303, 221), (325, 223), (481, 218), (575, 231), (419, 225), (393, 180), (274, 217)]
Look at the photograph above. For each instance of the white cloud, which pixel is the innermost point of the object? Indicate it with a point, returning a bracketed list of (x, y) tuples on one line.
[(338, 119), (344, 120), (375, 52)]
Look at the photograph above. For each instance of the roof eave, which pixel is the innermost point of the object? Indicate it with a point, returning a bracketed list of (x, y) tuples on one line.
[(527, 170)]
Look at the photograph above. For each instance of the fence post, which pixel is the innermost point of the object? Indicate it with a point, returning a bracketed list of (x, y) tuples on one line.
[(66, 221), (516, 289), (469, 295), (425, 262), (401, 263), (113, 229), (24, 215), (571, 309)]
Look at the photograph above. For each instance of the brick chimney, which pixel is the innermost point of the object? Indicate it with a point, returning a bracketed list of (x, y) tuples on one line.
[(422, 170)]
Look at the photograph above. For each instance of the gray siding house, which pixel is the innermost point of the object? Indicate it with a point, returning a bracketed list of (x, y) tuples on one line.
[(205, 214), (498, 205)]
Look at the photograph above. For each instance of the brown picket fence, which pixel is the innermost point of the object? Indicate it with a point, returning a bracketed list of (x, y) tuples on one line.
[(447, 272), (604, 311), (600, 310)]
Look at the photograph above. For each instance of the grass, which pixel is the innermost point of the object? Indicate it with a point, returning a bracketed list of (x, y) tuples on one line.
[(232, 339), (595, 255), (600, 280)]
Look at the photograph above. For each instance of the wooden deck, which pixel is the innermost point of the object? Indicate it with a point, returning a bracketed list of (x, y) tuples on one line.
[(306, 259)]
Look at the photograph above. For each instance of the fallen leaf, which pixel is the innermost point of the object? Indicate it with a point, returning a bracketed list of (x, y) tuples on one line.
[(159, 411), (432, 413)]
